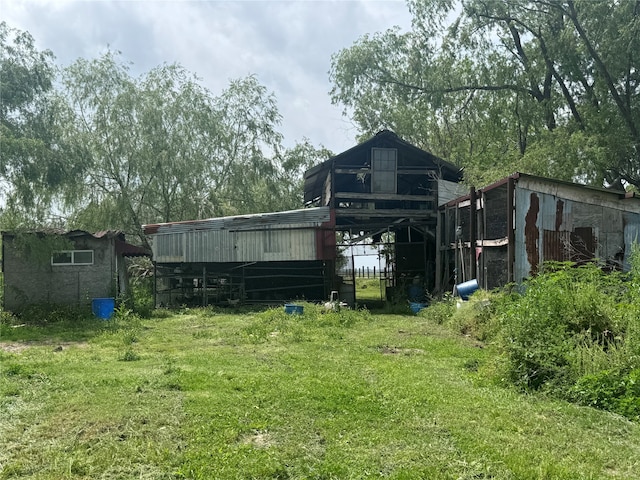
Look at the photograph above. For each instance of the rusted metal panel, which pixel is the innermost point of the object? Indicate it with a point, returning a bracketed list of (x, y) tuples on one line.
[(306, 217), (580, 193)]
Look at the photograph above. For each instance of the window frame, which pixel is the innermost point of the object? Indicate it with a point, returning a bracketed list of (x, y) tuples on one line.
[(73, 258), (382, 173)]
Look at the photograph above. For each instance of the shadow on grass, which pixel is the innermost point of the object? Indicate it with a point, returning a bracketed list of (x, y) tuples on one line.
[(52, 323)]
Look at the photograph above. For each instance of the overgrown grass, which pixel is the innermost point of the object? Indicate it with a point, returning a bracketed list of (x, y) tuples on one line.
[(214, 394), (571, 331)]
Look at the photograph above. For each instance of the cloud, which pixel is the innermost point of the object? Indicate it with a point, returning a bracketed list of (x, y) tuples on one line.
[(286, 44)]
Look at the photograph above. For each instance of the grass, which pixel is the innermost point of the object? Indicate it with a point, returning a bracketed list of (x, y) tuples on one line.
[(208, 394), (368, 289)]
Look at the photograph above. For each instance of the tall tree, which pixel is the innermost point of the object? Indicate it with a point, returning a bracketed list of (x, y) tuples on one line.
[(547, 86), (31, 162), (162, 148)]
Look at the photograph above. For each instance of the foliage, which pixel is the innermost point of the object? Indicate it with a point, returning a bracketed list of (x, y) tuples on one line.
[(560, 308), (612, 390), (98, 148), (549, 87), (32, 165), (140, 298), (475, 317)]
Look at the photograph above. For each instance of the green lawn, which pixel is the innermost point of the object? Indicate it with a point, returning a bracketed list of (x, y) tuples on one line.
[(220, 395)]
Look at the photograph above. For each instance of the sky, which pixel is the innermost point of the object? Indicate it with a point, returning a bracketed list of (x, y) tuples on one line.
[(287, 45)]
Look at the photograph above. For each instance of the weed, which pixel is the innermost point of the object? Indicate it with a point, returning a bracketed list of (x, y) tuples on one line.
[(130, 356)]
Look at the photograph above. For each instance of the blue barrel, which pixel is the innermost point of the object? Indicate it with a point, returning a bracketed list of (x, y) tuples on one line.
[(103, 307), (467, 288), (293, 309)]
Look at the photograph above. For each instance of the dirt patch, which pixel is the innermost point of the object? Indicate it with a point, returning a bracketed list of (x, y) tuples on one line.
[(389, 350), (257, 439), (19, 347)]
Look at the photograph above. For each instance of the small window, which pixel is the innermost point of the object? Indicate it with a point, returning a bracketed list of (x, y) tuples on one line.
[(384, 170), (72, 257)]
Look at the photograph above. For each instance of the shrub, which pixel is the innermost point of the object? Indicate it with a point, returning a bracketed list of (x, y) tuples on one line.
[(613, 390), (477, 316), (558, 310)]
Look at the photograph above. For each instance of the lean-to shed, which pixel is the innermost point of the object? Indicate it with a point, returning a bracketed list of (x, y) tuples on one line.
[(504, 232), (266, 257)]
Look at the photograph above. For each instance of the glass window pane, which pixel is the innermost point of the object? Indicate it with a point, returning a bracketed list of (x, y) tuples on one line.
[(83, 256), (61, 258)]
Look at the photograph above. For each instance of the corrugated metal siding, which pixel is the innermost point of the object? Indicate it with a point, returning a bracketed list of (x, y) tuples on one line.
[(552, 227), (253, 238)]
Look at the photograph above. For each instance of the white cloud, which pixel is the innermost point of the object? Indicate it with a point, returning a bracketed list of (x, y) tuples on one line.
[(286, 44)]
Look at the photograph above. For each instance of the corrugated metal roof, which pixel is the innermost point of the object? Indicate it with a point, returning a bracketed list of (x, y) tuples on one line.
[(303, 218)]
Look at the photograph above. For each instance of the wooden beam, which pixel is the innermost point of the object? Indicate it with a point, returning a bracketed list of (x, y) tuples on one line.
[(353, 171), (372, 197), (393, 213)]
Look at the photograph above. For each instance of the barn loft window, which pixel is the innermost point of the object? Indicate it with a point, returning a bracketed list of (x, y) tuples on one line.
[(384, 166), (72, 257)]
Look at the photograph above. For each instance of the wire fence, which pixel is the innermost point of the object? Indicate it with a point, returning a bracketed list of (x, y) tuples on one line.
[(364, 272)]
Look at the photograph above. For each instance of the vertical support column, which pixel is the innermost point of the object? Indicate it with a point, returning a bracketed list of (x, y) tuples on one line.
[(473, 222), (155, 285), (205, 298), (510, 229), (439, 253)]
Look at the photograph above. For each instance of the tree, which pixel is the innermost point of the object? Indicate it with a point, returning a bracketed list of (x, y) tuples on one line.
[(546, 86), (31, 163), (288, 192), (162, 148)]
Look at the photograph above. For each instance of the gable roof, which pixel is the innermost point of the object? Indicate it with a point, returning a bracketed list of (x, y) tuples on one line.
[(314, 177)]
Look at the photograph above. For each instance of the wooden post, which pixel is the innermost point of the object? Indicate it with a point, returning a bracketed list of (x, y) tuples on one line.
[(511, 236), (472, 233)]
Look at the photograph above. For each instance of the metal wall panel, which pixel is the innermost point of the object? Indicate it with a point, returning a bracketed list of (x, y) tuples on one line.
[(279, 236), (552, 227)]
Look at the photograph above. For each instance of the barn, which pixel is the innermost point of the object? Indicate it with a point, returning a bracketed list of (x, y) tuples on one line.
[(504, 232), (385, 193)]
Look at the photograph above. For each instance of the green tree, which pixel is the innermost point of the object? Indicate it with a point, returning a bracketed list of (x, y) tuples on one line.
[(162, 148), (31, 160), (545, 86)]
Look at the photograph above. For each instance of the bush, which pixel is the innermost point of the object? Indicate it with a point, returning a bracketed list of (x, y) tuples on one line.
[(477, 316), (615, 391), (559, 309)]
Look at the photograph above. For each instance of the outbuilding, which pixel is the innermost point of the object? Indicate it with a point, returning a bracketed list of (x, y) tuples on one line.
[(504, 232), (84, 266), (258, 258)]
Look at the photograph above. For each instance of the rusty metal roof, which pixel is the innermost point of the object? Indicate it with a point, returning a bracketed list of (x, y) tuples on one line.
[(300, 218)]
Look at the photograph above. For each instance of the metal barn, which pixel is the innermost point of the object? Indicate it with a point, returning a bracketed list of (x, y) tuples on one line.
[(258, 258), (504, 232)]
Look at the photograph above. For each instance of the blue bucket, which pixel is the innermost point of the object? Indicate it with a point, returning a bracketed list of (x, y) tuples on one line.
[(293, 309), (467, 288), (103, 307), (416, 307)]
